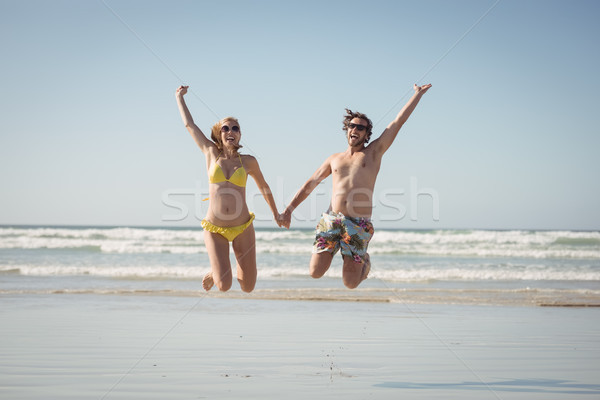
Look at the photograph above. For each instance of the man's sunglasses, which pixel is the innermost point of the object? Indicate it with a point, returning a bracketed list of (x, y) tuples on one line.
[(234, 128), (359, 128)]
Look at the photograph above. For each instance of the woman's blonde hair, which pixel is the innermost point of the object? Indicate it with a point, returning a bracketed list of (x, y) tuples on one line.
[(216, 132)]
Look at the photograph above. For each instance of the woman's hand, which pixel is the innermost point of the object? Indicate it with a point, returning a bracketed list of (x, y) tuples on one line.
[(181, 90), (284, 219)]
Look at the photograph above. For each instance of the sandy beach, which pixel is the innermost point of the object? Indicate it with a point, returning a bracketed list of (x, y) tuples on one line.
[(157, 347)]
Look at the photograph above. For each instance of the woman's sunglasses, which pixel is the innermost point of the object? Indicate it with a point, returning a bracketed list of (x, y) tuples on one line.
[(234, 128)]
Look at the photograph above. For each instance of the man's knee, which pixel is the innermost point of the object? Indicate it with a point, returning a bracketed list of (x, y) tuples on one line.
[(316, 274), (352, 273), (351, 281), (319, 264)]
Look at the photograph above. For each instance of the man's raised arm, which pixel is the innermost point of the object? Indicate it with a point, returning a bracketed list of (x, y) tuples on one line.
[(383, 142)]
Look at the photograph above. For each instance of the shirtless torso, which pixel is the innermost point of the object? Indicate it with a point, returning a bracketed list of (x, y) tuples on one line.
[(354, 173), (353, 181)]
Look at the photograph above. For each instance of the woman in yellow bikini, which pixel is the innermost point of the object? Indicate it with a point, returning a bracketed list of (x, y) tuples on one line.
[(228, 218)]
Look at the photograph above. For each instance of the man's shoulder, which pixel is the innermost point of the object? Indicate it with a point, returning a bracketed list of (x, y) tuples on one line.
[(336, 157)]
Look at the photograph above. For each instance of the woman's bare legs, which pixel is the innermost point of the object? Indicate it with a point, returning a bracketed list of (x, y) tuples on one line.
[(218, 254), (244, 247)]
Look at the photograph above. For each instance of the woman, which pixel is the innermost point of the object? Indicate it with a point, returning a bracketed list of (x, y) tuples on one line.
[(228, 218)]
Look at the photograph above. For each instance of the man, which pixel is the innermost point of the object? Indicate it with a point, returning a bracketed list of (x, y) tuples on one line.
[(347, 223)]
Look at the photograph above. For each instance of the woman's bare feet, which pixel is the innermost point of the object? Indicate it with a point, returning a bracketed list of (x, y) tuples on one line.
[(207, 282)]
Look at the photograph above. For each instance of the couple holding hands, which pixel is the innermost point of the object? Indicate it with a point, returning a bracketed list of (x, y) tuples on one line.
[(346, 225)]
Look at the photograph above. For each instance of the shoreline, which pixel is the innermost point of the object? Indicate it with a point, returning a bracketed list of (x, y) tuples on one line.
[(431, 296), (309, 227)]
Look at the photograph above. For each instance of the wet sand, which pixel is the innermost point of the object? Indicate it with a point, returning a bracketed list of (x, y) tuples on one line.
[(153, 347)]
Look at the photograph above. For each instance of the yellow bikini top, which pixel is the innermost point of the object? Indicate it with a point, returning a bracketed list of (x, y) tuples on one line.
[(238, 177)]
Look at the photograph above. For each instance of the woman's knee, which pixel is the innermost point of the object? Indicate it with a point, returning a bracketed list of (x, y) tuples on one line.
[(223, 286), (247, 286), (223, 283), (246, 275), (245, 254)]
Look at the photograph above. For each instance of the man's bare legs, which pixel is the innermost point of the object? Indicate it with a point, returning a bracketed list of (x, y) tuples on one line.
[(353, 273), (320, 263)]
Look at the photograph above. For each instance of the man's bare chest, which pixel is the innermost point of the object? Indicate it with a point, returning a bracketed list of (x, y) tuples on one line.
[(356, 165)]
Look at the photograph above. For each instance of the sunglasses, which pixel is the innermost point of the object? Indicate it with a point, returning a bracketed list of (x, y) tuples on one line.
[(234, 128), (359, 128)]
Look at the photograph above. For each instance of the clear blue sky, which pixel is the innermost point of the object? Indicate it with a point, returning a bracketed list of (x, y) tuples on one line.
[(508, 137)]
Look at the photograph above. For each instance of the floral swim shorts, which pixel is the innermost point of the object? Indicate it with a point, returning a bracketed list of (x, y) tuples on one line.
[(336, 231)]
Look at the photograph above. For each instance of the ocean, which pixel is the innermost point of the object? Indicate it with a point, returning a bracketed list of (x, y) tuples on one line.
[(512, 267)]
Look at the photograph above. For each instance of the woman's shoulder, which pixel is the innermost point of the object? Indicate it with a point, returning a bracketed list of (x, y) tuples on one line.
[(250, 163), (248, 158)]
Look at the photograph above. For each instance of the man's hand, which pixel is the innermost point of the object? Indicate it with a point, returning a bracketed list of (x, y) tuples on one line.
[(421, 89), (285, 219)]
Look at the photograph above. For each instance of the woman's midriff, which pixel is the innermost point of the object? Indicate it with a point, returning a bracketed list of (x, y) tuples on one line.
[(227, 205)]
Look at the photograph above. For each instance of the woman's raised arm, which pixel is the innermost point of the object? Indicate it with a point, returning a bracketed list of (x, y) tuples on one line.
[(202, 141)]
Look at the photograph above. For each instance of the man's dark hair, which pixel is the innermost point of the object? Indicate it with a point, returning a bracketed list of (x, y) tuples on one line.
[(350, 115)]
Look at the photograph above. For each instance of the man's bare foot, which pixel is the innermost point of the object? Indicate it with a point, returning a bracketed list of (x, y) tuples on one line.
[(207, 282), (366, 267)]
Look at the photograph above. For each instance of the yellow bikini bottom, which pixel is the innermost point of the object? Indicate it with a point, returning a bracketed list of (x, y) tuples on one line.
[(228, 232)]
